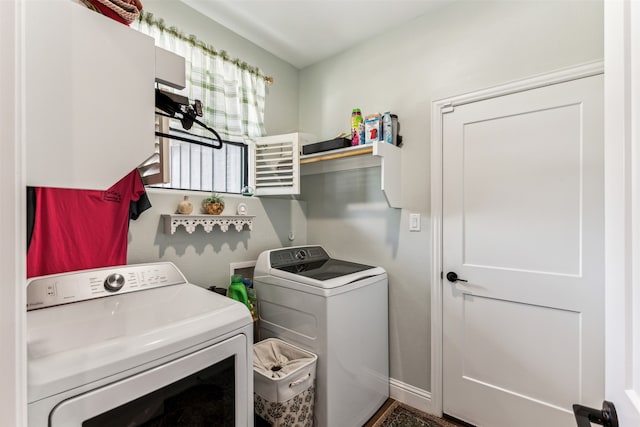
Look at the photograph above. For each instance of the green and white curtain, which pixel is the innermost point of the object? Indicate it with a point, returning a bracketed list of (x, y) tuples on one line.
[(231, 91)]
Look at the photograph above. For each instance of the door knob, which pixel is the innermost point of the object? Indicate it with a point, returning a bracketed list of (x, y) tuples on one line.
[(453, 277), (606, 416)]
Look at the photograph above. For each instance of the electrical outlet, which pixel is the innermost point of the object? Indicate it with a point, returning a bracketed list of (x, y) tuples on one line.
[(414, 222)]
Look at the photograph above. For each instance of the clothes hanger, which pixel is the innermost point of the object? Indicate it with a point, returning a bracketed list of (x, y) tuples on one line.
[(177, 107)]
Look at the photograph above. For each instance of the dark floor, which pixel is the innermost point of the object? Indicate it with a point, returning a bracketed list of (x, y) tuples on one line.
[(390, 401), (378, 414), (259, 422)]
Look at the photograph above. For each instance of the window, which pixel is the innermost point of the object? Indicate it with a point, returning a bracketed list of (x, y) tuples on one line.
[(194, 167), (233, 99)]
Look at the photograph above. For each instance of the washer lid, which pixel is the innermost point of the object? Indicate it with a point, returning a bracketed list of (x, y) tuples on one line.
[(325, 269), (329, 283), (74, 344), (313, 266)]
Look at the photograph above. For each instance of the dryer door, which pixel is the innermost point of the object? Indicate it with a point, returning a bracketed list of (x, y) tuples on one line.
[(212, 381)]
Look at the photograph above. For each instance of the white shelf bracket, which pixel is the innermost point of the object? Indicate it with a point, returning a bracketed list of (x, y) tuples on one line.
[(391, 172)]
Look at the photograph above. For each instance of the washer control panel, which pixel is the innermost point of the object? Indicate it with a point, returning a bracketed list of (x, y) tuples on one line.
[(299, 255), (65, 288)]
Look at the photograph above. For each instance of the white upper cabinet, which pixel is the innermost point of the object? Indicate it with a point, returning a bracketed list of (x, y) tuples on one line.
[(90, 104)]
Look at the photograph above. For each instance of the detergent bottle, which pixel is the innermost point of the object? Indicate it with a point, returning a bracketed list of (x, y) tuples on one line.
[(387, 128), (238, 291), (356, 127)]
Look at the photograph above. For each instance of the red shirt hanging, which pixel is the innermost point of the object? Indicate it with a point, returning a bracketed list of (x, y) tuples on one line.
[(82, 229)]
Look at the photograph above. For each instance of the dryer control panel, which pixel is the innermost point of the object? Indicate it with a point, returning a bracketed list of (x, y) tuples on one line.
[(65, 288)]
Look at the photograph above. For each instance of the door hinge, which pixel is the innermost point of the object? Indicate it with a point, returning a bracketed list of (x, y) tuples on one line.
[(442, 275), (447, 108)]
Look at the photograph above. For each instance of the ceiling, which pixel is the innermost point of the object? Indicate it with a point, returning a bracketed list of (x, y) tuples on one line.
[(303, 32)]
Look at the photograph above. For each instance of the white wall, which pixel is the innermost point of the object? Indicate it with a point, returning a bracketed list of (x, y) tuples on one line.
[(204, 257), (461, 47)]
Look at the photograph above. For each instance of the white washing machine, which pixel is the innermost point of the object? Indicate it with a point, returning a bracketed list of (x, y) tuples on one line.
[(136, 345), (338, 310)]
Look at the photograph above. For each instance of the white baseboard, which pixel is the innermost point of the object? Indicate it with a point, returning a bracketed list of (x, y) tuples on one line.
[(411, 396)]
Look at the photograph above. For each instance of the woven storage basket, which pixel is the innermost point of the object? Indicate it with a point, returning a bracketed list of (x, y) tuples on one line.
[(287, 400)]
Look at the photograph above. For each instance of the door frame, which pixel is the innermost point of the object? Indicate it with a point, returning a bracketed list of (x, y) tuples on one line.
[(438, 109), (13, 363), (622, 207)]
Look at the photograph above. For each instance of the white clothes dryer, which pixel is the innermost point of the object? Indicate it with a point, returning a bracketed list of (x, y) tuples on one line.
[(136, 345), (338, 310)]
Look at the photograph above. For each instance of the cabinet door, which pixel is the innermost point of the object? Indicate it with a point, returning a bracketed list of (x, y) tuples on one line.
[(89, 96)]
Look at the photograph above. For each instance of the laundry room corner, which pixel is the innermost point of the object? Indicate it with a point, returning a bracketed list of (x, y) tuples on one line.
[(358, 253), (204, 257)]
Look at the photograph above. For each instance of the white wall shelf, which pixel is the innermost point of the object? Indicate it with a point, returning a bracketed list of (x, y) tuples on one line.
[(208, 222), (387, 156)]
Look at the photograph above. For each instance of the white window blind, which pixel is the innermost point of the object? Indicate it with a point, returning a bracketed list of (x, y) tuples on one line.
[(277, 165), (155, 170)]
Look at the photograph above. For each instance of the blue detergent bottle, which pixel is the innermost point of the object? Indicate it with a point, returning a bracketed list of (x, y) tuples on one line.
[(238, 291)]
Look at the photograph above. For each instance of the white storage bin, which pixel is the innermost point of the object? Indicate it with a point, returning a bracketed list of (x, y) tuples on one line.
[(284, 378)]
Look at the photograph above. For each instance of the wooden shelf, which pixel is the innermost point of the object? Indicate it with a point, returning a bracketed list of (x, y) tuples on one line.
[(208, 222), (336, 154), (387, 157)]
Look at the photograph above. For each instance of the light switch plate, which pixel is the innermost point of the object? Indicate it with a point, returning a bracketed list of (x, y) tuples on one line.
[(414, 222)]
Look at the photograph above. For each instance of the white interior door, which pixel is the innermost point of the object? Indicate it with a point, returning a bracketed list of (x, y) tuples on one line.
[(522, 224)]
